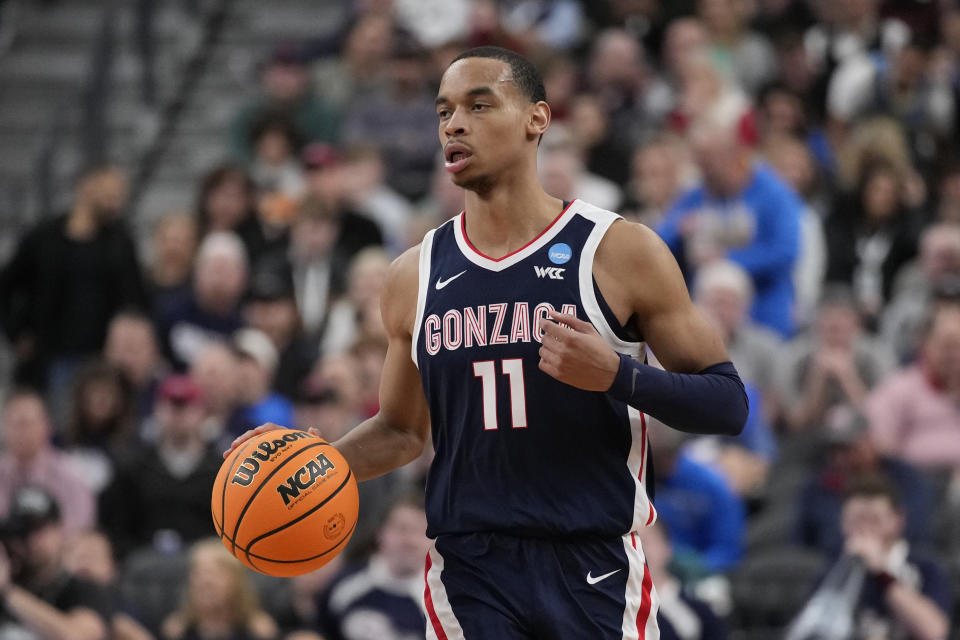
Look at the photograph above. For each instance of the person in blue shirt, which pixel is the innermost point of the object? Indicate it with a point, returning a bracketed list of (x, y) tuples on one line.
[(741, 211), (705, 517), (257, 360)]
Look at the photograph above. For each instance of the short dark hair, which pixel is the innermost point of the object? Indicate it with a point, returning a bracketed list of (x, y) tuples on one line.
[(525, 74), (874, 486)]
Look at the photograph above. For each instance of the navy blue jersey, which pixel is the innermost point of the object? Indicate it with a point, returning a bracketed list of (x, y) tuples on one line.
[(517, 451)]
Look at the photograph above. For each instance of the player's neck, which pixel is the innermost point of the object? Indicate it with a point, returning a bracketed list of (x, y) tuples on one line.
[(505, 218)]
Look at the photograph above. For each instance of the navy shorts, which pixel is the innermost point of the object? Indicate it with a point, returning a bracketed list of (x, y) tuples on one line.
[(488, 586)]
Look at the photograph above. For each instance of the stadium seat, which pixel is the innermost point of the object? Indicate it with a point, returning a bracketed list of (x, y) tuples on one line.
[(772, 584), (152, 582)]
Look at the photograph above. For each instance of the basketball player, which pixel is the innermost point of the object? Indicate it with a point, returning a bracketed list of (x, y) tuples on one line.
[(515, 331)]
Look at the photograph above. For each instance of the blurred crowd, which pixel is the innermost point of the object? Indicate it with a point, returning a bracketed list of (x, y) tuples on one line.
[(800, 159)]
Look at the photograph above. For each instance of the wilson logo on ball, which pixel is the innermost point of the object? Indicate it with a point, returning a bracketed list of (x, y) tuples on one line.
[(304, 477), (249, 468)]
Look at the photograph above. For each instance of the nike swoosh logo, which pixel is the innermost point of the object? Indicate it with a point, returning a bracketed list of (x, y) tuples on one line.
[(592, 580), (442, 283)]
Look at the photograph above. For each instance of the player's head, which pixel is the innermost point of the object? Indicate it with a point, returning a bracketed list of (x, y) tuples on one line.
[(872, 508), (492, 111), (25, 424)]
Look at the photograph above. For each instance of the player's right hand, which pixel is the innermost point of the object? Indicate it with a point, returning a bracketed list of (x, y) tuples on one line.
[(255, 432)]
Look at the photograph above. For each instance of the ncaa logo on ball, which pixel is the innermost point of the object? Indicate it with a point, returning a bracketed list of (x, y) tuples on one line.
[(334, 526), (560, 253)]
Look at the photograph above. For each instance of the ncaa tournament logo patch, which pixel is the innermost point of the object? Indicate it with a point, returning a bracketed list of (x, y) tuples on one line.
[(560, 253)]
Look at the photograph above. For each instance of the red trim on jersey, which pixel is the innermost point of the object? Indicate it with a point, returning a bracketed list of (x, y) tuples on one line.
[(463, 228), (643, 444), (653, 514), (428, 602), (643, 614), (633, 538)]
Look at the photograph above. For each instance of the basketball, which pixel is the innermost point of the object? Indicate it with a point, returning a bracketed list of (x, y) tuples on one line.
[(285, 502)]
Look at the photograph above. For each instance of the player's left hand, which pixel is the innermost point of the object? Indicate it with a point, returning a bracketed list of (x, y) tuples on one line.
[(576, 354)]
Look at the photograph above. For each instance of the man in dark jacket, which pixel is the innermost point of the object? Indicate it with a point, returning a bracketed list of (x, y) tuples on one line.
[(68, 277)]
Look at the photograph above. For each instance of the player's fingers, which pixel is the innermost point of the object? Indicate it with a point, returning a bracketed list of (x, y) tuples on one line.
[(314, 431), (571, 321), (549, 368), (551, 329), (249, 434)]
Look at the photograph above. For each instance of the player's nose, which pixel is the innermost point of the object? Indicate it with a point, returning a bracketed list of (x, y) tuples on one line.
[(456, 123)]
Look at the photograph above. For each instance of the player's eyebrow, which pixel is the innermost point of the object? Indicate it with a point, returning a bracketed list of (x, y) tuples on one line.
[(478, 91)]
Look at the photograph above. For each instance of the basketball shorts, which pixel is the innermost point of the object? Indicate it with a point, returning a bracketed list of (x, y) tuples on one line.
[(488, 586)]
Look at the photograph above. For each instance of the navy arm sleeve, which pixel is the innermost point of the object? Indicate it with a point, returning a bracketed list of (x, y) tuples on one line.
[(712, 401)]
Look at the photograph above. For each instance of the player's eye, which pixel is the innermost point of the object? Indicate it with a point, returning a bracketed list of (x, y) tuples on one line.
[(480, 107), (443, 114)]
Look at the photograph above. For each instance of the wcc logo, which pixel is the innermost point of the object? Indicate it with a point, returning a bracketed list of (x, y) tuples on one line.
[(560, 253)]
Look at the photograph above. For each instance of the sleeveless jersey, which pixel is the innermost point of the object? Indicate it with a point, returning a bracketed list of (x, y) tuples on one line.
[(517, 451)]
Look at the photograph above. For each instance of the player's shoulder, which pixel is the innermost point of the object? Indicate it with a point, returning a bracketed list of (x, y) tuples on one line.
[(632, 245)]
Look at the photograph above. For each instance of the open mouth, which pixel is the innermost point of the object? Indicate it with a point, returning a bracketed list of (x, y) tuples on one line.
[(456, 157)]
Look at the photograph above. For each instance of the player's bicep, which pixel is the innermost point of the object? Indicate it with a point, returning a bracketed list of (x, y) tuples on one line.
[(680, 336), (402, 403)]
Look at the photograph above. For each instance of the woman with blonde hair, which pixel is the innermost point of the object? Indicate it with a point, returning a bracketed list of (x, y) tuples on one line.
[(220, 602)]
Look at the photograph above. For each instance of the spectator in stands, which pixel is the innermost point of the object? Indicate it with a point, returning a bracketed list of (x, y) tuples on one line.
[(132, 347), (836, 363), (228, 202), (948, 204), (381, 597), (215, 371), (402, 123), (101, 422), (706, 97), (724, 292), (328, 184), (286, 91), (358, 312), (370, 353), (543, 25), (659, 171), (40, 596), (272, 309), (745, 213), (601, 148), (870, 237), (361, 70), (220, 601), (160, 494), (67, 278), (275, 167), (792, 160), (704, 516), (900, 84), (172, 250), (89, 557), (905, 594), (680, 616), (369, 195), (914, 413), (256, 366), (684, 37), (743, 54), (29, 457), (616, 75), (935, 273), (851, 455), (564, 176), (212, 310)]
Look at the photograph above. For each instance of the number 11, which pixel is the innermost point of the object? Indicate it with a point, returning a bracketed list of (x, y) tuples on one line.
[(486, 371)]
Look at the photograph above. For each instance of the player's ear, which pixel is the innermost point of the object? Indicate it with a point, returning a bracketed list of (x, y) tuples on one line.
[(538, 119)]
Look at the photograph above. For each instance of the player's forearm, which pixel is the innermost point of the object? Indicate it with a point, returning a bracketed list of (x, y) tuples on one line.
[(918, 613), (375, 447), (710, 402)]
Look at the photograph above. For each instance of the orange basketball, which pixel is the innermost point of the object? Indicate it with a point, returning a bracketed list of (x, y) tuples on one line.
[(285, 502)]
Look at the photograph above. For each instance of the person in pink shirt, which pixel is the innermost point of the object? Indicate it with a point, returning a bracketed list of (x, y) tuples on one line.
[(29, 458), (915, 412)]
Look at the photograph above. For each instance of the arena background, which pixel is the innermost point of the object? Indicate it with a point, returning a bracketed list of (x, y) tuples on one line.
[(248, 164)]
